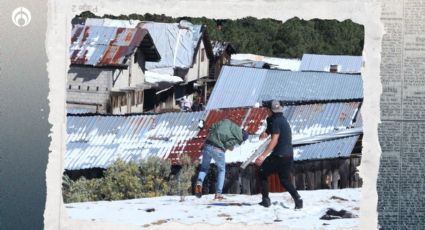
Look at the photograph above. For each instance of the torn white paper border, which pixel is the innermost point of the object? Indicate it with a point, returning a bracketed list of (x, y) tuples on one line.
[(61, 12)]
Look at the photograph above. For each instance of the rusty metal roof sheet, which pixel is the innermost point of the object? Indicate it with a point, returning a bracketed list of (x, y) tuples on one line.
[(96, 141), (249, 119), (109, 46)]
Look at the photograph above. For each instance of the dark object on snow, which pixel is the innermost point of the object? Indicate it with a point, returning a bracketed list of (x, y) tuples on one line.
[(229, 204), (265, 202), (338, 198), (332, 214), (150, 210)]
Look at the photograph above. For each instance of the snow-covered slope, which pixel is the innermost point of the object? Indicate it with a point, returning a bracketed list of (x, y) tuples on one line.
[(206, 210)]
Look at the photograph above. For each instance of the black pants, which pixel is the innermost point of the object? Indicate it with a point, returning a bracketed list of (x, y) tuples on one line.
[(283, 167)]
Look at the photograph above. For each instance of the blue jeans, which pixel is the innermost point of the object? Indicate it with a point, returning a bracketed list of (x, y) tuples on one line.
[(210, 152)]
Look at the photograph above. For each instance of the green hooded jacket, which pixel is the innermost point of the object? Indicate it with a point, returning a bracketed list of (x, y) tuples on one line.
[(225, 134)]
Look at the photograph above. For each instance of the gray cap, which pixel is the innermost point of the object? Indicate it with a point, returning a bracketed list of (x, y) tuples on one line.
[(276, 107)]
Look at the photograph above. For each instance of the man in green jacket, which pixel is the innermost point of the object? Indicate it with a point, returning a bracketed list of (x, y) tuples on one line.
[(222, 136)]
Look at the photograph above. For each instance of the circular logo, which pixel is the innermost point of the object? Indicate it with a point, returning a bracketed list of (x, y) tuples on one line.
[(21, 17)]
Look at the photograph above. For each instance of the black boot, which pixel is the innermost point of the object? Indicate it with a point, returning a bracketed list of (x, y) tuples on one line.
[(298, 203), (265, 202)]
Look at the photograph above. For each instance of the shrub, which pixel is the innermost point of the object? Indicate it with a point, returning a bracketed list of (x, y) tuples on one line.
[(81, 190), (154, 176), (122, 181), (181, 183)]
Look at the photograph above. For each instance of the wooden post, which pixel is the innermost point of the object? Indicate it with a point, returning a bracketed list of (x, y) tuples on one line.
[(344, 169), (326, 174), (317, 166), (248, 180), (309, 172), (205, 92), (231, 181), (354, 177), (300, 176), (143, 100), (335, 174)]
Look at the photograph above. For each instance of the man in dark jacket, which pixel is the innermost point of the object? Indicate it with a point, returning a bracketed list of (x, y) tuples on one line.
[(222, 136), (281, 157)]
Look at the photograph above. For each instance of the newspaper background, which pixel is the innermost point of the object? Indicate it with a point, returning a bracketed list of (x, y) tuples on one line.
[(399, 122), (401, 181)]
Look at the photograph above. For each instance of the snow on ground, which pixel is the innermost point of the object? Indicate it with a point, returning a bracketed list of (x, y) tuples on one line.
[(207, 211)]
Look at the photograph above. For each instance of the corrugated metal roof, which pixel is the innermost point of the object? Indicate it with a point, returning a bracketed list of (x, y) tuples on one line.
[(316, 62), (305, 121), (317, 119), (243, 87), (96, 141), (250, 119), (237, 87), (342, 147), (194, 148), (325, 150), (310, 86), (108, 46)]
